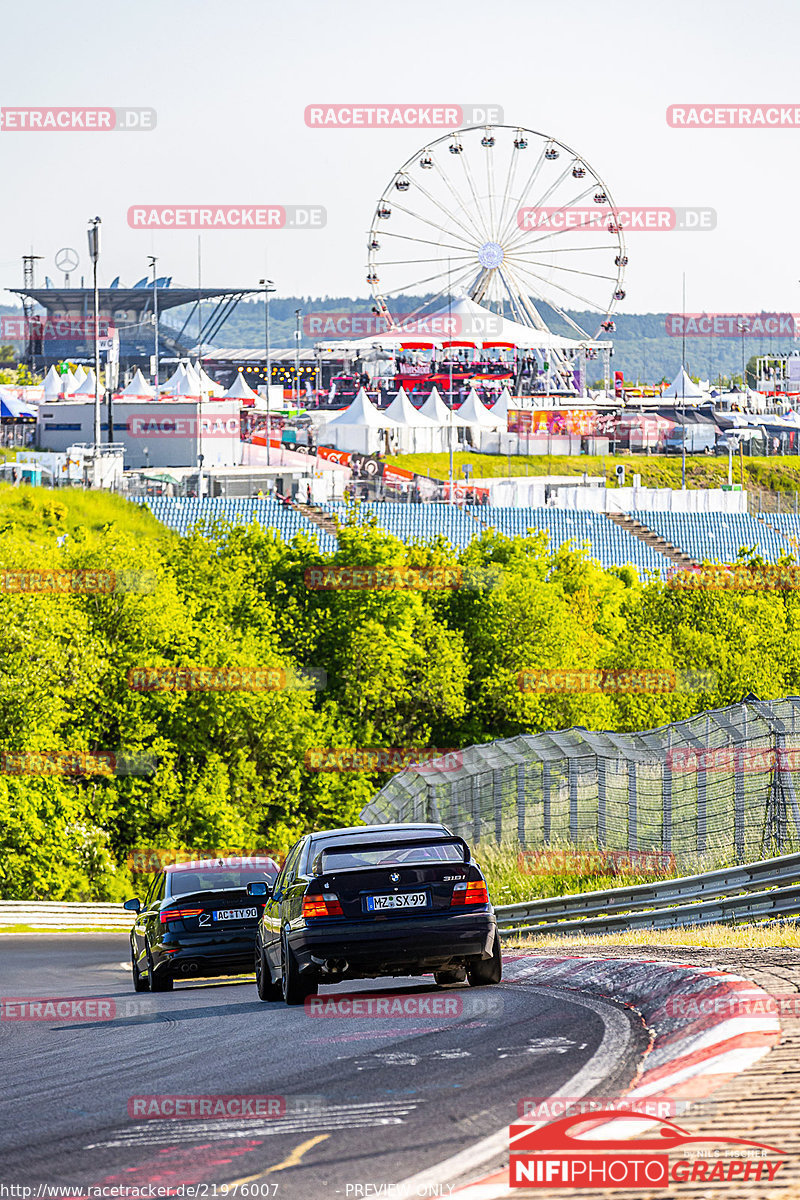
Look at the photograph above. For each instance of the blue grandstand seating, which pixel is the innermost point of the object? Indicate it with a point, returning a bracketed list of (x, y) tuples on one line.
[(716, 537), (182, 513)]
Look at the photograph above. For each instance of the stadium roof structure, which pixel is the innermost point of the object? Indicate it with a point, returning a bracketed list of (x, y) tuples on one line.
[(70, 299)]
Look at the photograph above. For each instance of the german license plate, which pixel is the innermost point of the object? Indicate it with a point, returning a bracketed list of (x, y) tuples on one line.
[(235, 914), (403, 900)]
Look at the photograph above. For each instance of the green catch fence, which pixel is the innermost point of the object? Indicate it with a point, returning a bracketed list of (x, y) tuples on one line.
[(724, 782)]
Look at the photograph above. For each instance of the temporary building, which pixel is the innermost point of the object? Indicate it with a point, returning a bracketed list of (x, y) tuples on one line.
[(435, 408), (475, 412), (79, 375), (52, 384), (683, 388), (240, 390), (416, 434), (360, 427), (86, 388), (138, 388)]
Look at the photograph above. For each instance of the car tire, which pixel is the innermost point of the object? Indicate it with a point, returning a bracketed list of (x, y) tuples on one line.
[(484, 971), (158, 983), (294, 988), (267, 990), (450, 975), (141, 983)]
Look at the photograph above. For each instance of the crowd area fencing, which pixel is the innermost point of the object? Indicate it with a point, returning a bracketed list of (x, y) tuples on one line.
[(723, 784)]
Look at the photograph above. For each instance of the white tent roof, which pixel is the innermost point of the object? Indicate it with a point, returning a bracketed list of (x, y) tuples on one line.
[(79, 375), (682, 388), (463, 321), (240, 389), (208, 384), (52, 383), (87, 387), (177, 376), (475, 412), (362, 412), (402, 410), (504, 402), (138, 387), (435, 408)]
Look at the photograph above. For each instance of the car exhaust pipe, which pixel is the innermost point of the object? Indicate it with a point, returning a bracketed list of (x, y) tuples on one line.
[(189, 968), (335, 966)]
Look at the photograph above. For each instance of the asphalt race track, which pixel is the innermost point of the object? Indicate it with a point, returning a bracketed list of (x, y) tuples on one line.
[(365, 1100)]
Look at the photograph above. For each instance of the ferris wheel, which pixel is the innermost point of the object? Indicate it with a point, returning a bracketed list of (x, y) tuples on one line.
[(513, 219)]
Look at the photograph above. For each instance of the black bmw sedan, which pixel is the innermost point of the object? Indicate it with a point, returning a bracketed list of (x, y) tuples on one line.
[(375, 901), (197, 919)]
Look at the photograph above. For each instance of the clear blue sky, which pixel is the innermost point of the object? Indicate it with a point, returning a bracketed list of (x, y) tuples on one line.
[(230, 82)]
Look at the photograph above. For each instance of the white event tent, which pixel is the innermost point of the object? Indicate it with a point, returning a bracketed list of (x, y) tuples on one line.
[(138, 388), (360, 427), (52, 384), (79, 375), (86, 388), (240, 390), (683, 388), (416, 434)]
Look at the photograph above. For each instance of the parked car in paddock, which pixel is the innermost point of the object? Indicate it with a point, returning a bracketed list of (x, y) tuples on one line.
[(197, 919), (374, 901)]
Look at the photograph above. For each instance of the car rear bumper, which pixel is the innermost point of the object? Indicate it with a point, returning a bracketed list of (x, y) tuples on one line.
[(213, 954), (378, 946)]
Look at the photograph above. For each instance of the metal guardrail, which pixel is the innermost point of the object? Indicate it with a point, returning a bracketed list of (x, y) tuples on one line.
[(766, 889), (770, 888), (60, 914)]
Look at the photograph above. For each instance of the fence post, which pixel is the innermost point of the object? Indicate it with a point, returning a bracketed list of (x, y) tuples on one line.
[(666, 788), (601, 800), (497, 798), (572, 770), (546, 803), (521, 799), (633, 832)]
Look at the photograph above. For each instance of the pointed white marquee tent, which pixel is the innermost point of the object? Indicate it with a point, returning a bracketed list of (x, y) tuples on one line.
[(682, 387), (138, 388), (417, 434), (240, 390), (79, 375), (52, 384), (360, 427), (475, 412), (86, 388)]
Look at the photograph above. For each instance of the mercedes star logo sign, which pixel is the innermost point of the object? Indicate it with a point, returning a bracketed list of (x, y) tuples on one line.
[(67, 259), (395, 878)]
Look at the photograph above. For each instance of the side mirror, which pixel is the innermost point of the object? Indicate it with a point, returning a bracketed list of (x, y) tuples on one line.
[(133, 905), (259, 888)]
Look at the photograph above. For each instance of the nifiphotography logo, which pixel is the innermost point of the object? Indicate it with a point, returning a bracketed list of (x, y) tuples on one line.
[(554, 1155)]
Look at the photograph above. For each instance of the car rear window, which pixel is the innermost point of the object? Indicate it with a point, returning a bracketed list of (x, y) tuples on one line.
[(332, 859), (216, 879)]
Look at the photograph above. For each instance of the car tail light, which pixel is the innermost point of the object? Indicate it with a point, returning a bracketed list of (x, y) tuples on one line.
[(176, 914), (470, 893), (322, 906)]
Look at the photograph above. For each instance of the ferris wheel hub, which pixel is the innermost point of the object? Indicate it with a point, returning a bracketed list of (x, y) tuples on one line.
[(491, 255)]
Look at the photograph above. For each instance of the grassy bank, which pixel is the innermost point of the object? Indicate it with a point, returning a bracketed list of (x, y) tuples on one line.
[(743, 936), (33, 510), (777, 474)]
